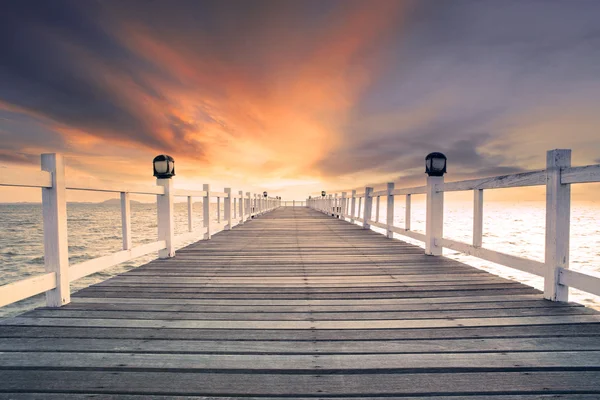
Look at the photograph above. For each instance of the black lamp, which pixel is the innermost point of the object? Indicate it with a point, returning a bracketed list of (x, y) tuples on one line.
[(264, 194), (323, 193), (164, 166), (435, 164)]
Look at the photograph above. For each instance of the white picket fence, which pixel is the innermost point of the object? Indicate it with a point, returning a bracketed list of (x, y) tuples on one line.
[(54, 184), (558, 177)]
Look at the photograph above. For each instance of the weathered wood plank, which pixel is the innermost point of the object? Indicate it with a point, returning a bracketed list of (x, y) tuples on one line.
[(288, 324), (258, 315), (326, 363), (301, 347), (525, 331), (215, 384)]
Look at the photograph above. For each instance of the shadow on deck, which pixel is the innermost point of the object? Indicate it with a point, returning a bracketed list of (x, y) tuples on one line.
[(298, 304)]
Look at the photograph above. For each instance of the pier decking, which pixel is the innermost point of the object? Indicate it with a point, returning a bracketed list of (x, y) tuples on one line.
[(296, 304)]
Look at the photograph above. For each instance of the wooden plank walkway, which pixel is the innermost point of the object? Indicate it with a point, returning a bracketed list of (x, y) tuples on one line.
[(296, 304)]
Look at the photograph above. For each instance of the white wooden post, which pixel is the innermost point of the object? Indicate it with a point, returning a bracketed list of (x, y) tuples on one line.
[(359, 207), (352, 206), (126, 220), (235, 208), (558, 213), (407, 213), (377, 208), (190, 207), (477, 217), (56, 247), (368, 207), (389, 211), (249, 208), (293, 203), (218, 210), (241, 205), (336, 210), (206, 211), (344, 201), (166, 223), (435, 216), (227, 205)]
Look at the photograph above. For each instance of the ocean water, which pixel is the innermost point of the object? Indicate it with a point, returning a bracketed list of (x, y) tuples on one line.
[(95, 230), (515, 228)]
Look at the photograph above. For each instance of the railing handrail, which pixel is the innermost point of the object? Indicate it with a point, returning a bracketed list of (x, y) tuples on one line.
[(238, 207), (557, 177)]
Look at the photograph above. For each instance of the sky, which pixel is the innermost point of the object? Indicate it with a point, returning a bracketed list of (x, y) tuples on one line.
[(298, 96)]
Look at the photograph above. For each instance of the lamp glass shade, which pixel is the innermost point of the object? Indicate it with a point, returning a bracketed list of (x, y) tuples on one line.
[(162, 167), (438, 164)]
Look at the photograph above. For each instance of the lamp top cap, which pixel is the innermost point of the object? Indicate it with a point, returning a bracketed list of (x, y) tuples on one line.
[(163, 157), (435, 154)]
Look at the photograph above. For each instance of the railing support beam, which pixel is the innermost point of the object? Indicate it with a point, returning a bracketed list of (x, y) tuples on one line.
[(190, 207), (241, 205), (558, 215), (227, 205), (166, 223), (56, 248), (352, 206), (389, 211), (206, 211), (368, 207), (126, 220), (477, 217), (407, 212), (435, 216)]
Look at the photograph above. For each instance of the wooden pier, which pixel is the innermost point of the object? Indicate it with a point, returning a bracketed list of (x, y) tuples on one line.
[(297, 304)]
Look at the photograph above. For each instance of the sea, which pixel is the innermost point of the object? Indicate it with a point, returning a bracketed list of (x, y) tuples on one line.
[(94, 230)]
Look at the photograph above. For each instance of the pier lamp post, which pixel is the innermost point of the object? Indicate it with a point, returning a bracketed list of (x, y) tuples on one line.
[(164, 170), (435, 164), (164, 166), (435, 167), (323, 193), (265, 201)]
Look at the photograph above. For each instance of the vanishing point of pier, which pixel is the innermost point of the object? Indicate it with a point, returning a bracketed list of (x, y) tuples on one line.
[(297, 303)]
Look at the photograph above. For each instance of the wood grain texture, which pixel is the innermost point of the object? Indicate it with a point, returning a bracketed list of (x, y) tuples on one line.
[(296, 304)]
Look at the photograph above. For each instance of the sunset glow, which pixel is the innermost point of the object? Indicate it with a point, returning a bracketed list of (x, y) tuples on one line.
[(295, 96)]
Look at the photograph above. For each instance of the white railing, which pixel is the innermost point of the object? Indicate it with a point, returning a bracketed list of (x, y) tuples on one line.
[(54, 184), (557, 177), (293, 203)]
